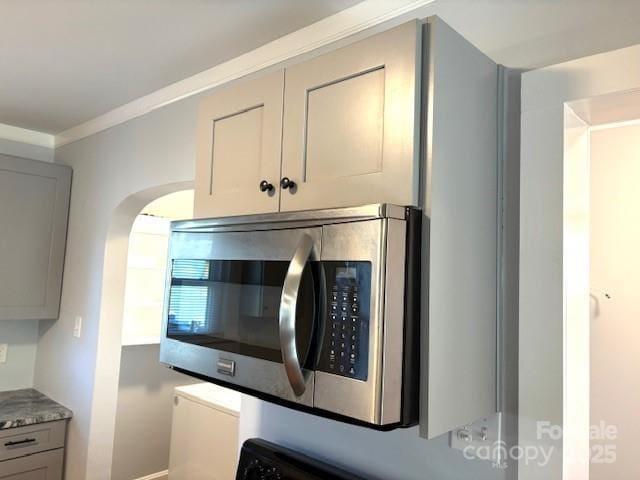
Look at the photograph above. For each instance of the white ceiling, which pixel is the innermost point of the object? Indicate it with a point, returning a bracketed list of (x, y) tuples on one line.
[(65, 62), (530, 34)]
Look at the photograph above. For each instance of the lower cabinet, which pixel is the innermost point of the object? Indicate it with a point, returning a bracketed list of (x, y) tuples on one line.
[(33, 452), (38, 466), (204, 433)]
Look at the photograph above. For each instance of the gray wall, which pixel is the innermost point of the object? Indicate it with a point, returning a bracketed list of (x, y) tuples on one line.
[(22, 337), (143, 419), (400, 454)]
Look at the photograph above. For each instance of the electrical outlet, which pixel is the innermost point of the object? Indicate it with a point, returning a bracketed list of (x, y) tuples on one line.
[(4, 350), (481, 439), (77, 327)]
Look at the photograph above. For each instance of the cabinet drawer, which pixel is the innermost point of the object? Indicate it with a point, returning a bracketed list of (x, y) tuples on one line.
[(19, 441), (40, 466)]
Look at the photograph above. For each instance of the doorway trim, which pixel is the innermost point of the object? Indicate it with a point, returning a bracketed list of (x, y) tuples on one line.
[(560, 104)]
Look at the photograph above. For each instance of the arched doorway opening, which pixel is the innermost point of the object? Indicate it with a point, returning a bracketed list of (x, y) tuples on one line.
[(112, 307), (145, 388)]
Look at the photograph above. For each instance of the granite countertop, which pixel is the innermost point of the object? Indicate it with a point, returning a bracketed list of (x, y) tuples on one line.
[(27, 407)]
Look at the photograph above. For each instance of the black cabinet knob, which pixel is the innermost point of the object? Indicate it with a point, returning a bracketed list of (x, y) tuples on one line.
[(265, 186), (286, 183)]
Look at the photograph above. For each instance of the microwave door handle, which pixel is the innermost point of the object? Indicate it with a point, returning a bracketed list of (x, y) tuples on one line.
[(287, 322)]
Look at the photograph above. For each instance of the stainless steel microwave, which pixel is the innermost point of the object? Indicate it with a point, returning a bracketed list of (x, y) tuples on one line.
[(317, 310)]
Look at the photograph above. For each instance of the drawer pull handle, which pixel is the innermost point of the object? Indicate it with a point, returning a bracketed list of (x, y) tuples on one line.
[(20, 442)]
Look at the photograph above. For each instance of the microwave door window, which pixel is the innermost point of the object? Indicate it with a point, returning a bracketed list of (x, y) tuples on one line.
[(189, 297), (228, 305)]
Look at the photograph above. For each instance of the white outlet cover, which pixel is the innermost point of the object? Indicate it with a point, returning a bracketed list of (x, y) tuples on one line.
[(77, 327), (4, 350), (481, 439)]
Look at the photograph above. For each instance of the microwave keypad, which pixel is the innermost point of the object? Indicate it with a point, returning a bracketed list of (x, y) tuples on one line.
[(346, 345), (345, 330)]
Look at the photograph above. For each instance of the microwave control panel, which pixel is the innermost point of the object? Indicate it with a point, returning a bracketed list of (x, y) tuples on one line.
[(345, 347)]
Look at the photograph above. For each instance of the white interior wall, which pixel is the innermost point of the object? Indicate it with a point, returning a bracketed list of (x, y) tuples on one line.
[(175, 206), (543, 300), (615, 269)]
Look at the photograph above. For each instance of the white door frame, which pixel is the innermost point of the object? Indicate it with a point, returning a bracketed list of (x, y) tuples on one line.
[(559, 105)]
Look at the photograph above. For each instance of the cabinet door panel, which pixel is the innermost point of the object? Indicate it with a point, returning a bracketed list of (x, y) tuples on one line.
[(34, 206), (39, 466), (239, 144), (351, 124), (204, 442), (331, 138)]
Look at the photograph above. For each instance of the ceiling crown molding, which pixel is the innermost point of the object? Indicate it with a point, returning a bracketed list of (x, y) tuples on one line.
[(30, 137), (361, 16)]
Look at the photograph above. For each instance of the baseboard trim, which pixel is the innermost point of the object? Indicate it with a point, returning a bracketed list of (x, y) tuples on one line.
[(164, 475)]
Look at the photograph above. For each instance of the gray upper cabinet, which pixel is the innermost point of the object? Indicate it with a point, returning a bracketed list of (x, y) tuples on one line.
[(239, 144), (34, 207), (351, 124), (343, 127)]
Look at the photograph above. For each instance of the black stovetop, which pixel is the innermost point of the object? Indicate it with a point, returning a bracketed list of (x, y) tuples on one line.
[(262, 460)]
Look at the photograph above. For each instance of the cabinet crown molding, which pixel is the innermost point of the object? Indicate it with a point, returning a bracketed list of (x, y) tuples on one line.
[(350, 21)]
